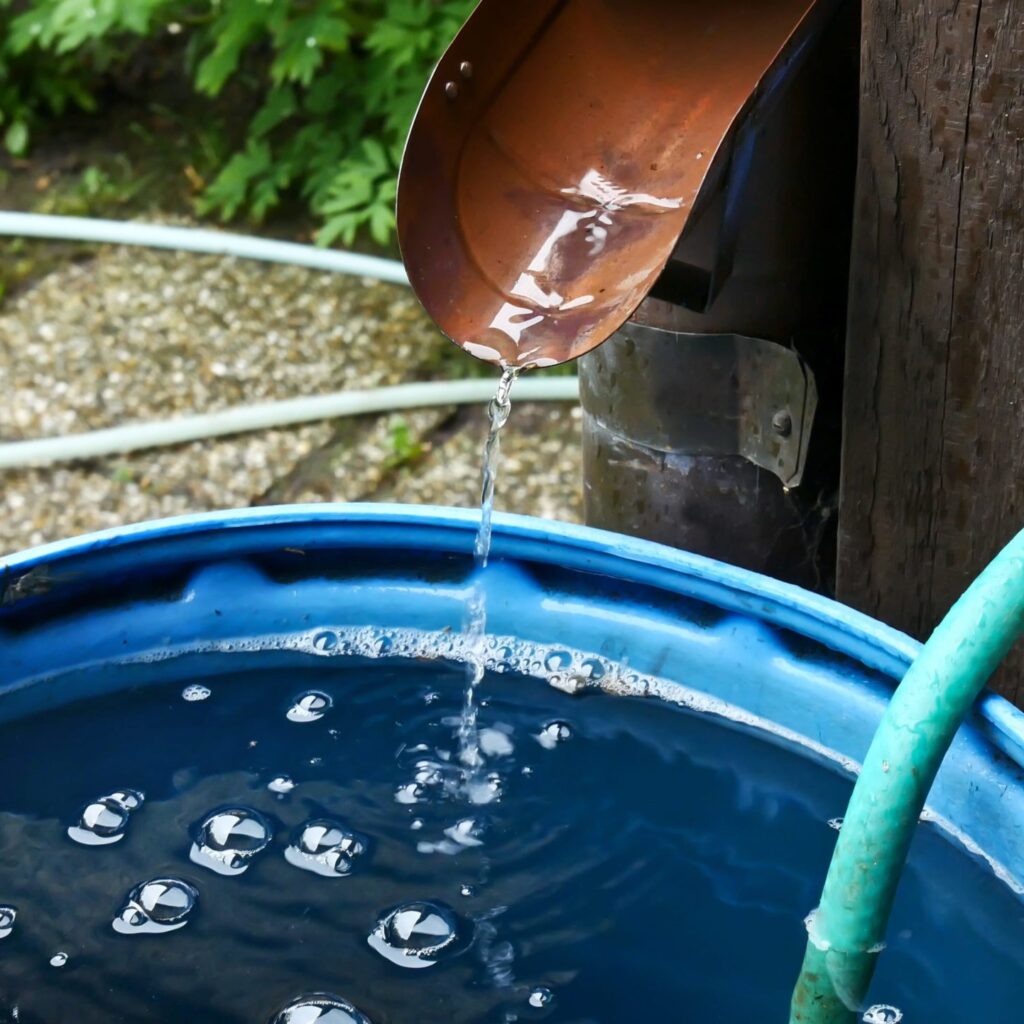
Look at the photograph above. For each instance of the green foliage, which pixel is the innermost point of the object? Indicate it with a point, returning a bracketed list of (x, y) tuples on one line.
[(333, 85), (405, 448)]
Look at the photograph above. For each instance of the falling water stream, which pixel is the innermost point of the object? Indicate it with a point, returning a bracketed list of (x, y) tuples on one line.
[(475, 622)]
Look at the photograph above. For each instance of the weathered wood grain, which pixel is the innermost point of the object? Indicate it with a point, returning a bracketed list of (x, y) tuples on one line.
[(933, 459)]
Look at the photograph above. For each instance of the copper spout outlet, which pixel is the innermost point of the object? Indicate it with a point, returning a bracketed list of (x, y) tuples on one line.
[(559, 151)]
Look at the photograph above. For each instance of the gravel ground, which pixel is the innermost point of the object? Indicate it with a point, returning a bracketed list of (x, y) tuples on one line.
[(132, 335)]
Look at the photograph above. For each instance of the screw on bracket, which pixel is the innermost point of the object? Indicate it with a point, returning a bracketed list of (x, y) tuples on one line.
[(782, 423)]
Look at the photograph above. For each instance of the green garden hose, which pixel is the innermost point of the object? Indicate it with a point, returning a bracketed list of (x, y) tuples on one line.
[(847, 930)]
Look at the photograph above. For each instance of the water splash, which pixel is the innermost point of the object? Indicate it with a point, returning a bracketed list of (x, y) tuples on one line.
[(8, 915), (476, 614)]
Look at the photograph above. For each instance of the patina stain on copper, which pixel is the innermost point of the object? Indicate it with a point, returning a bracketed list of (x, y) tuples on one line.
[(538, 204)]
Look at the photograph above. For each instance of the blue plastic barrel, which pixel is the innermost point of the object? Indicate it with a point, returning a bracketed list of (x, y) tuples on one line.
[(718, 638)]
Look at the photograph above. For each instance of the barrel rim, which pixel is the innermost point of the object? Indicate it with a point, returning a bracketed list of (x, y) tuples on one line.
[(843, 629)]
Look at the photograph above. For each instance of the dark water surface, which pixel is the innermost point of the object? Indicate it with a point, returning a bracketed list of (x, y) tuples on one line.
[(623, 860)]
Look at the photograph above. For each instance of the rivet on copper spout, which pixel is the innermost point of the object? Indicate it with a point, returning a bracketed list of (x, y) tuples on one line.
[(451, 90), (466, 69)]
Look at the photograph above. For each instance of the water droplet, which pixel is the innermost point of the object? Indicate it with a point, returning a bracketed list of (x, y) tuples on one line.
[(7, 917), (320, 1008), (552, 734), (541, 997), (836, 823), (194, 692), (281, 785), (558, 661), (416, 934), (466, 69), (882, 1014), (309, 707), (105, 820), (58, 959), (227, 840), (325, 641), (451, 90), (157, 906), (326, 848)]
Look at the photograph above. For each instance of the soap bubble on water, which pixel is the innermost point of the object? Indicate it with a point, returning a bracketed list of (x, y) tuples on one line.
[(155, 907), (325, 847), (8, 914), (552, 734), (195, 692), (416, 934), (105, 820), (320, 1008), (882, 1014), (58, 959), (309, 707), (228, 839), (541, 997), (281, 785)]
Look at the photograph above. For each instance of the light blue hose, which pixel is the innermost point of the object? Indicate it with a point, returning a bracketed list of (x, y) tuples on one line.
[(847, 930)]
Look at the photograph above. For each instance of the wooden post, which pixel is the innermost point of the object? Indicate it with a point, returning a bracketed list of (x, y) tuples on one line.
[(933, 456)]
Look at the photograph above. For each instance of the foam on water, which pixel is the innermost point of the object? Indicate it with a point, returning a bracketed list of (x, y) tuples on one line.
[(584, 672)]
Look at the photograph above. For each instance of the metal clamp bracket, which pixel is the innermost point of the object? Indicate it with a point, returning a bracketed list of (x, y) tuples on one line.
[(704, 394)]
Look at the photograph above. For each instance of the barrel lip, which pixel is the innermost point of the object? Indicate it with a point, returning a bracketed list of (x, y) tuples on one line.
[(526, 538)]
